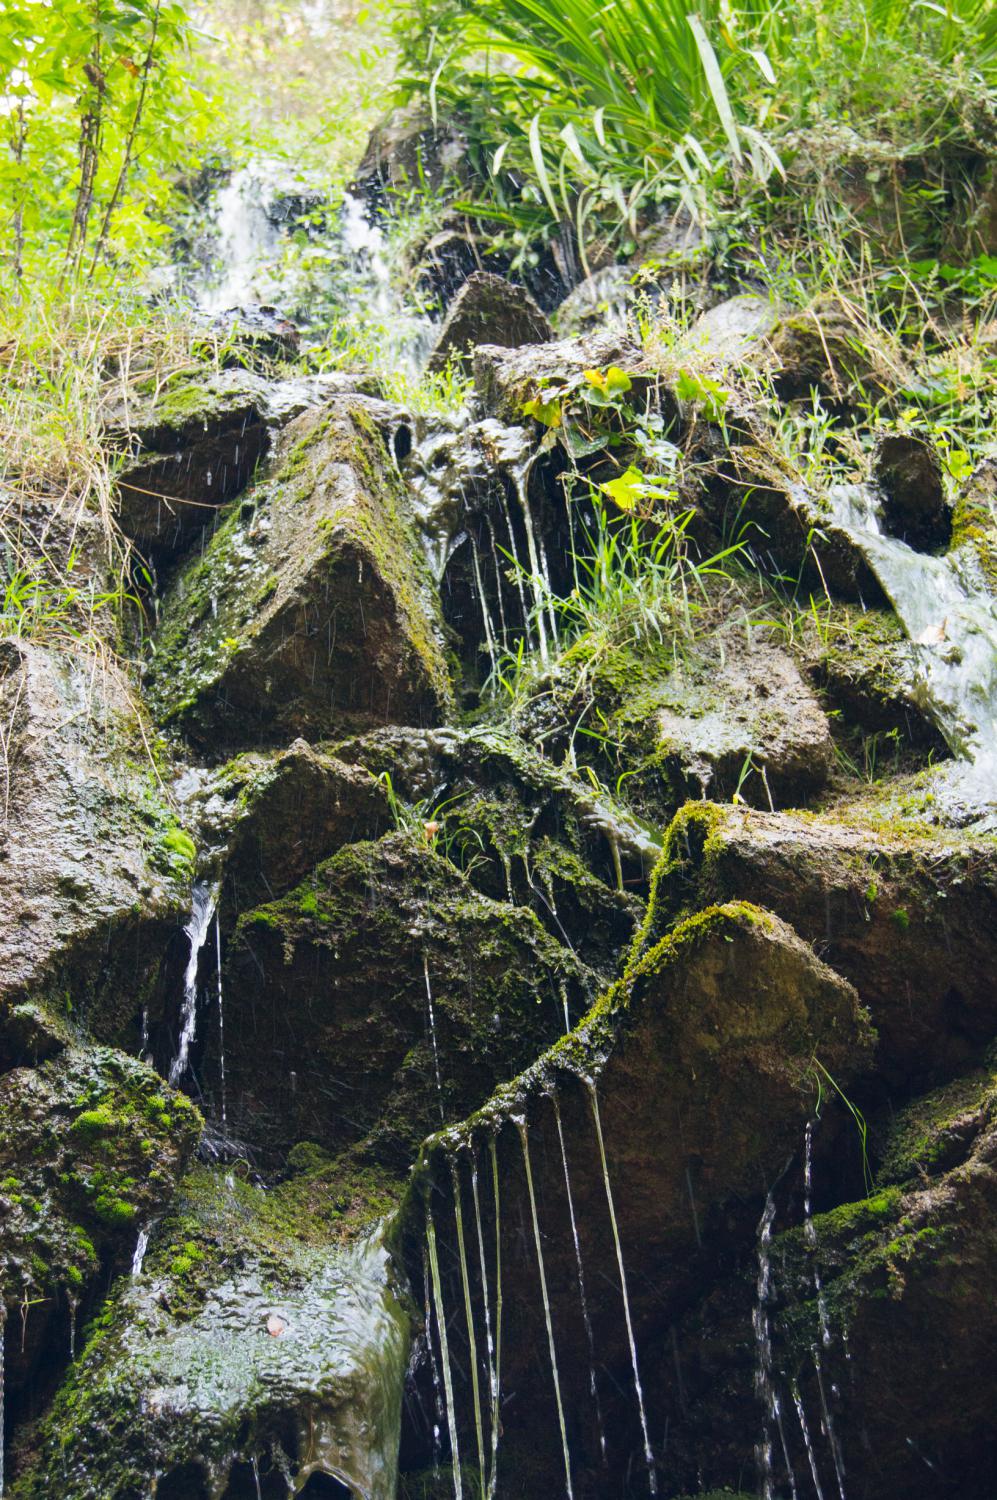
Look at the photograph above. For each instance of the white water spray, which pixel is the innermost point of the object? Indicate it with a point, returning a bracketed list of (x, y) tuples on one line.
[(203, 902)]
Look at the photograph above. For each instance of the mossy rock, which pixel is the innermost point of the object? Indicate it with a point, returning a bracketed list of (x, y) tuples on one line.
[(887, 899), (310, 610), (265, 1328), (95, 872), (91, 1145), (702, 1062), (385, 967), (974, 523)]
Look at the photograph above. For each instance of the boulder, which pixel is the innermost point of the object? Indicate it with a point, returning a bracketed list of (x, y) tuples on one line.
[(91, 1146), (263, 1342), (601, 301), (266, 820), (488, 310), (887, 901), (974, 524), (909, 472), (192, 447), (383, 993), (94, 867), (677, 1100), (828, 348), (734, 332), (757, 498), (504, 379), (310, 611), (407, 148)]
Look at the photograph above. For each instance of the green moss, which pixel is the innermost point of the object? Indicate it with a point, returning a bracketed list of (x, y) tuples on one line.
[(94, 1123), (113, 1211)]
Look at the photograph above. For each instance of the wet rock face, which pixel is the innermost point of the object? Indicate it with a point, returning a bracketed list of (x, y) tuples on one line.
[(701, 1058), (887, 908), (196, 447), (909, 472), (488, 309), (277, 816), (251, 1346), (93, 864), (92, 1144), (347, 995), (735, 331), (506, 378), (309, 611)]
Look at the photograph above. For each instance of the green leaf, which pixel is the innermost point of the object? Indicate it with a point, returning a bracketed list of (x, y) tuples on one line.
[(625, 490)]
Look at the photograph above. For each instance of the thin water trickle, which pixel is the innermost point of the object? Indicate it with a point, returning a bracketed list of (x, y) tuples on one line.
[(485, 612), (74, 1303), (593, 1387), (492, 1376), (764, 1380), (221, 1016), (498, 1316), (438, 1414), (432, 1034), (808, 1445), (472, 1343), (648, 1454), (810, 1234), (441, 1324), (141, 1246), (524, 1142), (828, 1424), (203, 900)]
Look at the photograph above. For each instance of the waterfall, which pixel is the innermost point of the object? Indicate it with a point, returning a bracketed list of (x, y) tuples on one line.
[(581, 1275), (203, 900), (441, 1323), (498, 1315), (438, 1414), (141, 1246), (74, 1303), (809, 1232), (648, 1455), (472, 1343), (524, 1141), (245, 240)]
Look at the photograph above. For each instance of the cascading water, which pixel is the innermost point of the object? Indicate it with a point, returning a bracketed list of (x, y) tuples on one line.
[(203, 900), (441, 1325), (432, 1034), (951, 621), (472, 1343), (764, 1379), (221, 1017), (245, 242), (493, 1389)]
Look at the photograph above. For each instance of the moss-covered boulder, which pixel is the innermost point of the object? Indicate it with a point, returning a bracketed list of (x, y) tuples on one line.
[(695, 1075), (717, 716), (264, 1339), (523, 830), (91, 1145), (894, 1292), (903, 910), (310, 610), (191, 445), (94, 867), (381, 994), (488, 310), (269, 819), (974, 524)]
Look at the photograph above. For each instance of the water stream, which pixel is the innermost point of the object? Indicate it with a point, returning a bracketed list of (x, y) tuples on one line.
[(951, 621), (441, 1325), (493, 1391), (593, 1387), (472, 1343), (203, 900)]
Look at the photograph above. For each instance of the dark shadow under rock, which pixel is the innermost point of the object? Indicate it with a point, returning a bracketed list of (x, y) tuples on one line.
[(909, 472)]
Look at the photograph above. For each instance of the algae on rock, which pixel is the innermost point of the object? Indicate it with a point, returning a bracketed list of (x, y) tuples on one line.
[(310, 611)]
